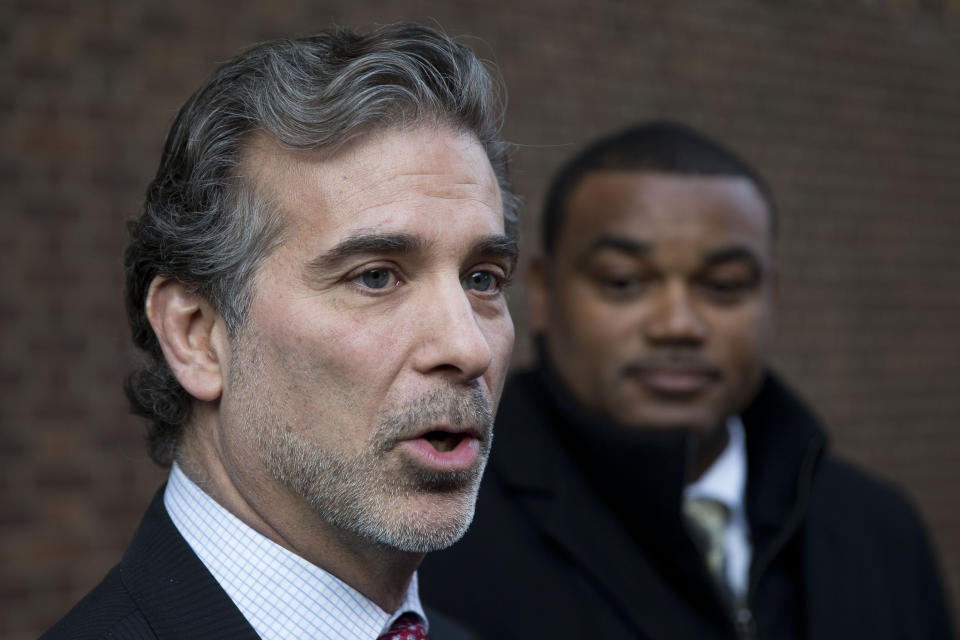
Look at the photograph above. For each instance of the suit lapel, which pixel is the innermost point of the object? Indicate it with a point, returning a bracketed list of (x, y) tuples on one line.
[(176, 593)]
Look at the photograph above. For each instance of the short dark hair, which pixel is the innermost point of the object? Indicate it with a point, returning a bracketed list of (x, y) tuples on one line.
[(660, 145), (205, 226)]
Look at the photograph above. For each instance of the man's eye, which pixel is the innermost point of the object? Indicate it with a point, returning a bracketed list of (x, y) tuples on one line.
[(728, 289), (378, 278), (726, 285), (622, 286), (622, 283), (481, 281)]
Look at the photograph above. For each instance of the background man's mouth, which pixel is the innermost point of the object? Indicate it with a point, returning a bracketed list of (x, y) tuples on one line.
[(676, 381)]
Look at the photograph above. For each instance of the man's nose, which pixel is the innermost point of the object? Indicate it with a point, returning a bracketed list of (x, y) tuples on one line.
[(451, 336), (675, 318)]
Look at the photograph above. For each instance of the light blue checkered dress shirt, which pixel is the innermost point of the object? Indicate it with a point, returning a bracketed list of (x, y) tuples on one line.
[(283, 596)]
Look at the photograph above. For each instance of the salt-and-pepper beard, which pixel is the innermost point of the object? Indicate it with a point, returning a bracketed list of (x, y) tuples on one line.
[(356, 493)]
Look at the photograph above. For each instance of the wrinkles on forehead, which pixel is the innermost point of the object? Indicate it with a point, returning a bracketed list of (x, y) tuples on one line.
[(267, 164)]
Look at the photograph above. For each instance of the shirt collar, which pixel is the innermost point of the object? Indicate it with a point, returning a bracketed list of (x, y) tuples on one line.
[(281, 594), (725, 480)]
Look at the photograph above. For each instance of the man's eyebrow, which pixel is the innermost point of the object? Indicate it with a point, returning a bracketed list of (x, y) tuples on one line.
[(365, 244), (732, 254), (620, 243), (497, 246)]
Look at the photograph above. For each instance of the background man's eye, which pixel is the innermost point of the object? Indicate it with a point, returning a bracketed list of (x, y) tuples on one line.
[(726, 285), (622, 283), (729, 286), (625, 285), (480, 281), (376, 278)]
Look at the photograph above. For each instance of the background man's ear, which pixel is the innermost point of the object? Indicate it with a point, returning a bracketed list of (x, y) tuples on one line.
[(192, 336), (538, 294)]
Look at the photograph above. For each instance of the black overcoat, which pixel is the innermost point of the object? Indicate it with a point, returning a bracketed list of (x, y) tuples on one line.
[(581, 537)]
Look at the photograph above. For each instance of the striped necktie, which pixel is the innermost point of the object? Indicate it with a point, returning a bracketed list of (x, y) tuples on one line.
[(708, 519)]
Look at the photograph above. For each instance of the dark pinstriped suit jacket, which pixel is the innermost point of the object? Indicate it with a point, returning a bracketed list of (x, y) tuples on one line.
[(161, 590)]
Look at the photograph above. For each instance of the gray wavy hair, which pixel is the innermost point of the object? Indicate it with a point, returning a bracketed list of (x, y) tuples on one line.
[(204, 226)]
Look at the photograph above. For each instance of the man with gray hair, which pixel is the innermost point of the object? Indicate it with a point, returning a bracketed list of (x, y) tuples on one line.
[(316, 280)]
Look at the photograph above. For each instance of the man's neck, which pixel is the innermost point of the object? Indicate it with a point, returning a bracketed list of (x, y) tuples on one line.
[(380, 573), (708, 447)]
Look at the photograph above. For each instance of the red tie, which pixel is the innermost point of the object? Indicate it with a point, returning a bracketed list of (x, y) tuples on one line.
[(409, 626)]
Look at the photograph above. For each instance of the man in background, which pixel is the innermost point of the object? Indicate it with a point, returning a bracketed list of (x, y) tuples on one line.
[(653, 478), (316, 281)]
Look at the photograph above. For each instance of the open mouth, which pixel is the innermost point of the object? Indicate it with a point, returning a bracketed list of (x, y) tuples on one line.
[(445, 450), (443, 441)]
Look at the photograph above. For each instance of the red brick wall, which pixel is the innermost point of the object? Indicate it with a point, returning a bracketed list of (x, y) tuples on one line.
[(851, 109)]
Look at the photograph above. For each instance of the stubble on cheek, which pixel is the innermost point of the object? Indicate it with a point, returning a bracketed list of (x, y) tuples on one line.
[(374, 492)]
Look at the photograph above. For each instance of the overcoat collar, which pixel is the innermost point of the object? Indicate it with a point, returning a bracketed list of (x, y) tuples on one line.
[(537, 463), (622, 490)]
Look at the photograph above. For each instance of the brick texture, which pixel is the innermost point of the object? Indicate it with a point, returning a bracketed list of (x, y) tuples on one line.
[(850, 108)]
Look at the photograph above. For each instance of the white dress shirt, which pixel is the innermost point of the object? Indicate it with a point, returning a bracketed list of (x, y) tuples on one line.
[(725, 481), (283, 596)]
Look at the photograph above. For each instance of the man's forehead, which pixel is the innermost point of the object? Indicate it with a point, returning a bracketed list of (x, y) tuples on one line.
[(448, 162), (658, 205), (419, 182)]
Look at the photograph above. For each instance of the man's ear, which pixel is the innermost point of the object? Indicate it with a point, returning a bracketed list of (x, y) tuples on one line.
[(192, 336), (538, 294)]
